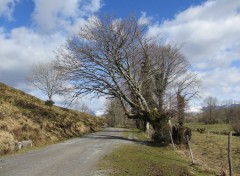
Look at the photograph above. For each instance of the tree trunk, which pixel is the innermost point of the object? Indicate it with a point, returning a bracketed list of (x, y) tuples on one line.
[(141, 125), (161, 129), (181, 107)]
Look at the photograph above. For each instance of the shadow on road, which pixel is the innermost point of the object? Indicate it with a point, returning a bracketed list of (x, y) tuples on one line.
[(116, 134), (110, 137), (136, 141), (120, 131)]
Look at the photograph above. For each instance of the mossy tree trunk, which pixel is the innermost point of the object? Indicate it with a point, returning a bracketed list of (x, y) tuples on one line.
[(180, 109)]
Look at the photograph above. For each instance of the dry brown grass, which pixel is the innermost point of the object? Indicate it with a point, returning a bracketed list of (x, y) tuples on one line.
[(6, 142), (24, 117), (210, 151)]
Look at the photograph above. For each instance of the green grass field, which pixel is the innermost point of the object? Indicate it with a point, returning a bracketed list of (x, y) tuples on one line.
[(209, 150), (149, 160), (214, 127)]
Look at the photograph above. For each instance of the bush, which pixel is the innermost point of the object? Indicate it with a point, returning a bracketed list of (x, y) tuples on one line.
[(201, 130), (180, 133), (161, 136), (236, 127), (49, 103), (7, 142)]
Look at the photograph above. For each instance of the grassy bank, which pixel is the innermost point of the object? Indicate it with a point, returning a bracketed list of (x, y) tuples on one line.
[(149, 160), (25, 117)]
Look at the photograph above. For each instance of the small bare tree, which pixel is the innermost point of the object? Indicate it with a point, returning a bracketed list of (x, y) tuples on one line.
[(114, 113), (209, 110), (47, 79)]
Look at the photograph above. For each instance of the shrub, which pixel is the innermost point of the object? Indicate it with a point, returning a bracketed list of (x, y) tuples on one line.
[(236, 127), (7, 142), (161, 136), (179, 134), (49, 103), (201, 130)]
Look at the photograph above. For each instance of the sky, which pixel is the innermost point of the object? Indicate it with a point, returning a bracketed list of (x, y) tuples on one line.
[(31, 31)]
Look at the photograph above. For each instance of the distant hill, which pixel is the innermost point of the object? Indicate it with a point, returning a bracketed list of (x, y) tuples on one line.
[(25, 117), (220, 107)]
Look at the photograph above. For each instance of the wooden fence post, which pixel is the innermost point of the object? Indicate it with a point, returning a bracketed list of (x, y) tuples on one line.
[(148, 129), (170, 133), (230, 154), (190, 149)]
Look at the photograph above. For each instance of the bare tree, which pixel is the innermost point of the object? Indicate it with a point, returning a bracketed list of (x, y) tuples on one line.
[(114, 58), (209, 109), (46, 78), (186, 88), (85, 108), (115, 114)]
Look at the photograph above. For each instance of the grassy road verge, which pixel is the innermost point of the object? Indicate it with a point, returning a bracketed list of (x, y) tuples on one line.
[(140, 159)]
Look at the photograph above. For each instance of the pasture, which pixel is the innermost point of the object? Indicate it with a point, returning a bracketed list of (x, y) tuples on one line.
[(210, 150)]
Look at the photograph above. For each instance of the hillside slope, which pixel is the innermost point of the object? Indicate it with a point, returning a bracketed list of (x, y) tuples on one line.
[(25, 117)]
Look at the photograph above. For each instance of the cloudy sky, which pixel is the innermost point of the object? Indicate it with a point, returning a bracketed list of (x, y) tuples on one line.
[(209, 32)]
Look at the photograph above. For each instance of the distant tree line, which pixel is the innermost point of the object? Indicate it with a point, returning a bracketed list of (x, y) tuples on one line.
[(213, 112)]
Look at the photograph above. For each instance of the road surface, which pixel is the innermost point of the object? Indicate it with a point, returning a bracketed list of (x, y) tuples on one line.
[(75, 157)]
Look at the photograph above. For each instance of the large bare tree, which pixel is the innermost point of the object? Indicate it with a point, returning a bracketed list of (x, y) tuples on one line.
[(46, 78), (115, 58)]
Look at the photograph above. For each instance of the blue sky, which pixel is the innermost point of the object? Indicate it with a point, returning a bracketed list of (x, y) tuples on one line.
[(209, 32), (160, 10)]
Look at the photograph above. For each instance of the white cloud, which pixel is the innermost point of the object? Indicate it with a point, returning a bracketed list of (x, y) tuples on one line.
[(22, 47), (91, 7), (99, 113), (51, 15), (222, 83), (210, 37), (194, 109), (144, 19), (7, 8), (207, 31)]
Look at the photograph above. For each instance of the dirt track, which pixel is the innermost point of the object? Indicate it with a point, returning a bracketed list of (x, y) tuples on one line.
[(75, 157)]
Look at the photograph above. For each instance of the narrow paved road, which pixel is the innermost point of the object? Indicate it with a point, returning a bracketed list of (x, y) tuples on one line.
[(75, 157)]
